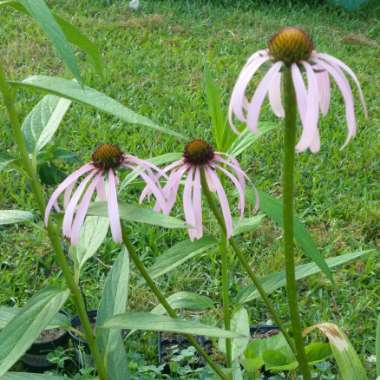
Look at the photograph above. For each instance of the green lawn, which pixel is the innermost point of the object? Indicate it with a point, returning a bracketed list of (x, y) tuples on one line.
[(154, 61)]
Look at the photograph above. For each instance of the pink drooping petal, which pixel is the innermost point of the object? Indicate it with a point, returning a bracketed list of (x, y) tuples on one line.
[(188, 207), (113, 208), (173, 165), (239, 188), (223, 201), (233, 164), (323, 80), (238, 99), (275, 96), (82, 210), (337, 62), (101, 189), (345, 90), (148, 166), (315, 143), (67, 195), (66, 183), (254, 56), (197, 203), (254, 107), (300, 90), (210, 182), (312, 110), (71, 207)]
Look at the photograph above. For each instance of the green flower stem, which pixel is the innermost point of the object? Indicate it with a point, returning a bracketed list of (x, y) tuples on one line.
[(9, 101), (161, 298), (245, 264), (225, 295), (288, 190)]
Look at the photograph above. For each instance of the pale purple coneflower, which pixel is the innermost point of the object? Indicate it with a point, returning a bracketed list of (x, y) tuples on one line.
[(106, 159), (199, 155), (293, 48)]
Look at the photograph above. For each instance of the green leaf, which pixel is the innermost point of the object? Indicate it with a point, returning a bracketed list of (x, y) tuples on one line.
[(317, 352), (246, 224), (216, 113), (159, 160), (277, 280), (185, 300), (5, 160), (31, 376), (134, 213), (349, 364), (71, 32), (155, 322), (378, 347), (278, 361), (114, 301), (92, 235), (247, 138), (8, 313), (14, 216), (39, 11), (24, 329), (43, 121), (273, 208), (73, 90), (180, 253)]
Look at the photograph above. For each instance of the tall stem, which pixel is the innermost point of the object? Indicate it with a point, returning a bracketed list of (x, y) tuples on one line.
[(245, 264), (53, 234), (288, 195), (161, 298), (225, 295)]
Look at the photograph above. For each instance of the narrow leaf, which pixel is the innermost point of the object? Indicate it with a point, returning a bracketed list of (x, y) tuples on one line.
[(43, 121), (155, 322), (246, 224), (72, 90), (247, 138), (277, 280), (185, 300), (39, 11), (24, 329), (134, 213), (180, 253), (273, 208), (5, 160), (92, 235), (14, 216), (350, 366), (114, 301)]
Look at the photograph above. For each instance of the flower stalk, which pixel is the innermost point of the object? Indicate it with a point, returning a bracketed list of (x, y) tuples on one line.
[(288, 201), (161, 298), (9, 101), (246, 266)]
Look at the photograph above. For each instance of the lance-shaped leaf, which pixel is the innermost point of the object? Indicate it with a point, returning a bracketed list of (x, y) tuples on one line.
[(6, 160), (277, 280), (92, 235), (14, 216), (43, 121), (71, 32), (23, 330), (350, 366), (114, 301), (73, 90), (247, 138), (185, 300), (7, 313), (273, 208), (39, 11), (155, 322), (180, 253), (134, 213), (244, 225), (31, 376)]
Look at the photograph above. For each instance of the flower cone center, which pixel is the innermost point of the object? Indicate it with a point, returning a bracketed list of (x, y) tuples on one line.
[(107, 156), (198, 152), (290, 45)]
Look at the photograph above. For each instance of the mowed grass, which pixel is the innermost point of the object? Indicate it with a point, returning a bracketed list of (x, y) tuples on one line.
[(153, 62)]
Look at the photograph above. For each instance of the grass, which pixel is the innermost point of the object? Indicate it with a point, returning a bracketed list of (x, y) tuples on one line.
[(154, 61)]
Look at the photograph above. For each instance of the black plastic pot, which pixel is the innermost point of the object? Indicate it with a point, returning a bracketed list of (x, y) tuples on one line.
[(35, 359), (82, 350)]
